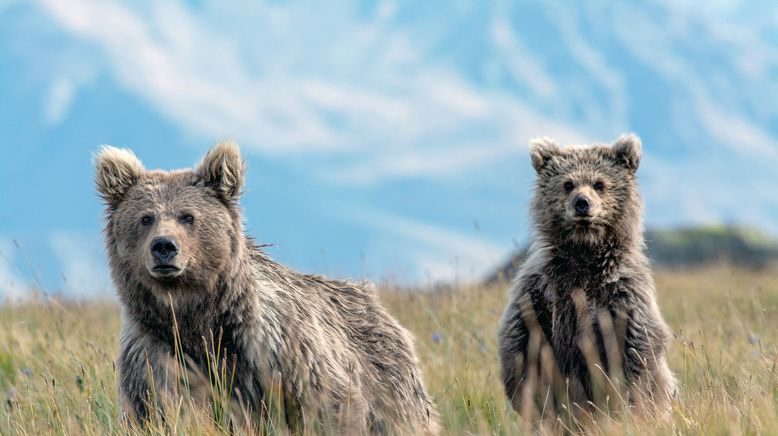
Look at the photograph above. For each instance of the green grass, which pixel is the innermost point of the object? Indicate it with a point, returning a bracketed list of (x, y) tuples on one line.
[(57, 373)]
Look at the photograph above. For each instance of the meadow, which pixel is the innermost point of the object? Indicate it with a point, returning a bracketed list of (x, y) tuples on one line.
[(57, 360)]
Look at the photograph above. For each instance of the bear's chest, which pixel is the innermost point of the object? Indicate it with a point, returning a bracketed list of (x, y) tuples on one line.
[(193, 331), (577, 320)]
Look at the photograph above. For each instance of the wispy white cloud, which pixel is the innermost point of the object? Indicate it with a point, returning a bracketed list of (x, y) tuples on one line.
[(610, 112), (58, 100), (438, 252), (720, 65), (384, 108), (83, 274), (707, 191), (191, 74), (522, 62), (13, 286), (736, 132)]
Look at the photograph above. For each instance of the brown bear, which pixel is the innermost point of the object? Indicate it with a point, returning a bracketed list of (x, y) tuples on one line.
[(582, 329), (196, 291)]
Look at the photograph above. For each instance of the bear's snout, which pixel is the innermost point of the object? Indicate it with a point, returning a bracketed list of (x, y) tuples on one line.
[(163, 249), (581, 206)]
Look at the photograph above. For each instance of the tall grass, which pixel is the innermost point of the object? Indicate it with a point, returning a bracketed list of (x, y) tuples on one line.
[(57, 372)]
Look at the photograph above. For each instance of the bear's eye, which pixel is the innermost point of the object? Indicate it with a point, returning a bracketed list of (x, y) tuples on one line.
[(186, 219), (146, 220), (598, 186), (569, 186)]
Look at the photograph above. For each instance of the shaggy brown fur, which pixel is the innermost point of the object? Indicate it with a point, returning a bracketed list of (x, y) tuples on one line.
[(335, 357), (582, 326)]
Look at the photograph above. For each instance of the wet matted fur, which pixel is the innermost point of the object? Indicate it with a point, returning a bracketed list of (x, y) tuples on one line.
[(582, 329), (326, 350)]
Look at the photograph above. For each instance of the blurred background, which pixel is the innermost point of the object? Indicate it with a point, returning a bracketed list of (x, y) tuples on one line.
[(386, 140)]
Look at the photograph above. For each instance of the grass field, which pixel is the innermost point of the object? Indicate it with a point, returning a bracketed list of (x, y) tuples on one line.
[(57, 372)]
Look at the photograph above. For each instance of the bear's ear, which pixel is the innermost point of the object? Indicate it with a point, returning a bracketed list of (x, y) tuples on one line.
[(542, 150), (223, 169), (116, 171), (627, 150)]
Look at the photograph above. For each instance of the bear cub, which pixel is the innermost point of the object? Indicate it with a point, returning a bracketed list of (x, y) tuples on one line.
[(206, 314), (582, 328)]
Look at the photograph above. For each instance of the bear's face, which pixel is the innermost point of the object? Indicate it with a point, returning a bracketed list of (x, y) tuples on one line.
[(171, 231), (582, 193)]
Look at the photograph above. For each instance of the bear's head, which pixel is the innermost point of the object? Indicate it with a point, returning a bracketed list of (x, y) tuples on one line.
[(585, 193), (171, 231)]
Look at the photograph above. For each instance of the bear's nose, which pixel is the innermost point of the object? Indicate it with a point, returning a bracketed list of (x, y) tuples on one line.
[(581, 206), (163, 248)]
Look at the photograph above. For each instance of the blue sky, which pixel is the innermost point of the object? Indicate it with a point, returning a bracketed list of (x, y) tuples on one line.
[(384, 139)]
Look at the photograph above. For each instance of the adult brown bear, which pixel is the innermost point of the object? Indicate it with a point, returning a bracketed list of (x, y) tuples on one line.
[(193, 286)]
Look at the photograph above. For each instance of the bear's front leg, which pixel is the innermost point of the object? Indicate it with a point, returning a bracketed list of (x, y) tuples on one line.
[(148, 376), (650, 383), (523, 335)]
